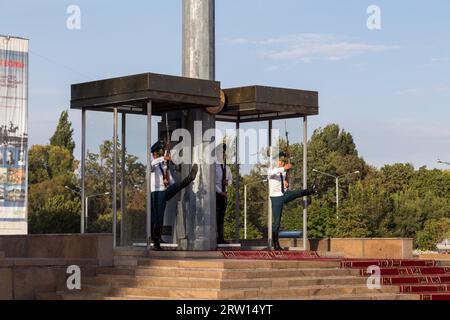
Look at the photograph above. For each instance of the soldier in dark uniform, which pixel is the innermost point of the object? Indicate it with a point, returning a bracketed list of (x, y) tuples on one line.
[(223, 181), (163, 188), (280, 193)]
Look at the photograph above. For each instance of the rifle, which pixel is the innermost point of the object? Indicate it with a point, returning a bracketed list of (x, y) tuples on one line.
[(166, 153), (288, 154), (224, 169)]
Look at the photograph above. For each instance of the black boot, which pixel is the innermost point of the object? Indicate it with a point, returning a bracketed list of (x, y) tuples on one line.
[(156, 245), (220, 236), (191, 177), (160, 236), (276, 244), (279, 247)]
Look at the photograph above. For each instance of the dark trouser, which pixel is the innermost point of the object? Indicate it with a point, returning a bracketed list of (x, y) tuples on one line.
[(221, 208), (278, 203), (159, 200)]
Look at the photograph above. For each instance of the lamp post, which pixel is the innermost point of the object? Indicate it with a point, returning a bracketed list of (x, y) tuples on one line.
[(86, 201), (337, 185), (87, 204), (443, 162), (245, 205)]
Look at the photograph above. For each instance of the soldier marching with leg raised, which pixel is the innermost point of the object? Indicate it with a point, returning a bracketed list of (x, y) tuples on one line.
[(280, 194), (163, 188)]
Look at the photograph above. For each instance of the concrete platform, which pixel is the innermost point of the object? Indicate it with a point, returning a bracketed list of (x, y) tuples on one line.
[(211, 278)]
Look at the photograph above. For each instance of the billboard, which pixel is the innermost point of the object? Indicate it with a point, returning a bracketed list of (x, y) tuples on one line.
[(13, 134)]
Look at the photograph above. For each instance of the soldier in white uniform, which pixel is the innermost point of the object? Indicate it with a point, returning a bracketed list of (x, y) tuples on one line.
[(163, 188), (280, 194)]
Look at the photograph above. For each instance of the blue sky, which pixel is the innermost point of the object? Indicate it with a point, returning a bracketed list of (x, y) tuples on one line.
[(390, 88)]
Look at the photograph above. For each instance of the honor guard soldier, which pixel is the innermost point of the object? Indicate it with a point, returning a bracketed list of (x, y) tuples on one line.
[(223, 180), (163, 188), (280, 193)]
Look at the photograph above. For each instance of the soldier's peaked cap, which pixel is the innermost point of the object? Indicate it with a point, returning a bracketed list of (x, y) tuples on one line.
[(157, 146)]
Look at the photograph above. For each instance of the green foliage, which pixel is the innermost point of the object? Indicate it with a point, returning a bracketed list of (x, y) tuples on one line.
[(104, 223), (352, 221), (321, 219), (63, 133), (47, 162), (52, 208), (99, 168), (394, 201), (58, 215), (396, 177), (434, 231)]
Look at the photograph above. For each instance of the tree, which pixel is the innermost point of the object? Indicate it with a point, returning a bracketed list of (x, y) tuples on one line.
[(47, 162), (59, 214), (434, 231), (253, 231), (63, 133), (353, 222), (333, 151), (99, 169), (406, 217), (51, 207), (396, 177)]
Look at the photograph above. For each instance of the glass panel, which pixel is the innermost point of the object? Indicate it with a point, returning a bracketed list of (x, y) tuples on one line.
[(134, 217), (98, 172)]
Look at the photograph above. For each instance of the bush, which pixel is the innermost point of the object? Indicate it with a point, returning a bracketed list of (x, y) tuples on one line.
[(58, 215), (104, 223), (434, 231)]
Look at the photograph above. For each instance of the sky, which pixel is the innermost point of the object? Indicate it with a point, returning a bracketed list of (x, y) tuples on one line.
[(390, 88)]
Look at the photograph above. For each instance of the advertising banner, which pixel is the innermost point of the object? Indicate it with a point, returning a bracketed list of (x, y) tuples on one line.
[(13, 134)]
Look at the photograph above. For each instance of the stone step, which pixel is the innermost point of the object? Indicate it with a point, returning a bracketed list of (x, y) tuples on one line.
[(226, 274), (238, 264), (90, 296), (162, 293), (264, 293), (167, 254), (145, 281), (310, 292), (46, 262), (369, 296)]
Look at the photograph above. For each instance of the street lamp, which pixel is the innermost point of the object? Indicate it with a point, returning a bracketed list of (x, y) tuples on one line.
[(72, 190), (337, 185), (443, 162), (245, 205), (86, 201), (87, 204)]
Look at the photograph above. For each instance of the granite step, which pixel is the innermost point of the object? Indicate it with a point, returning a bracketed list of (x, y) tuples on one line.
[(238, 264), (146, 281), (313, 292), (90, 296), (252, 293), (144, 253), (46, 262), (217, 273)]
